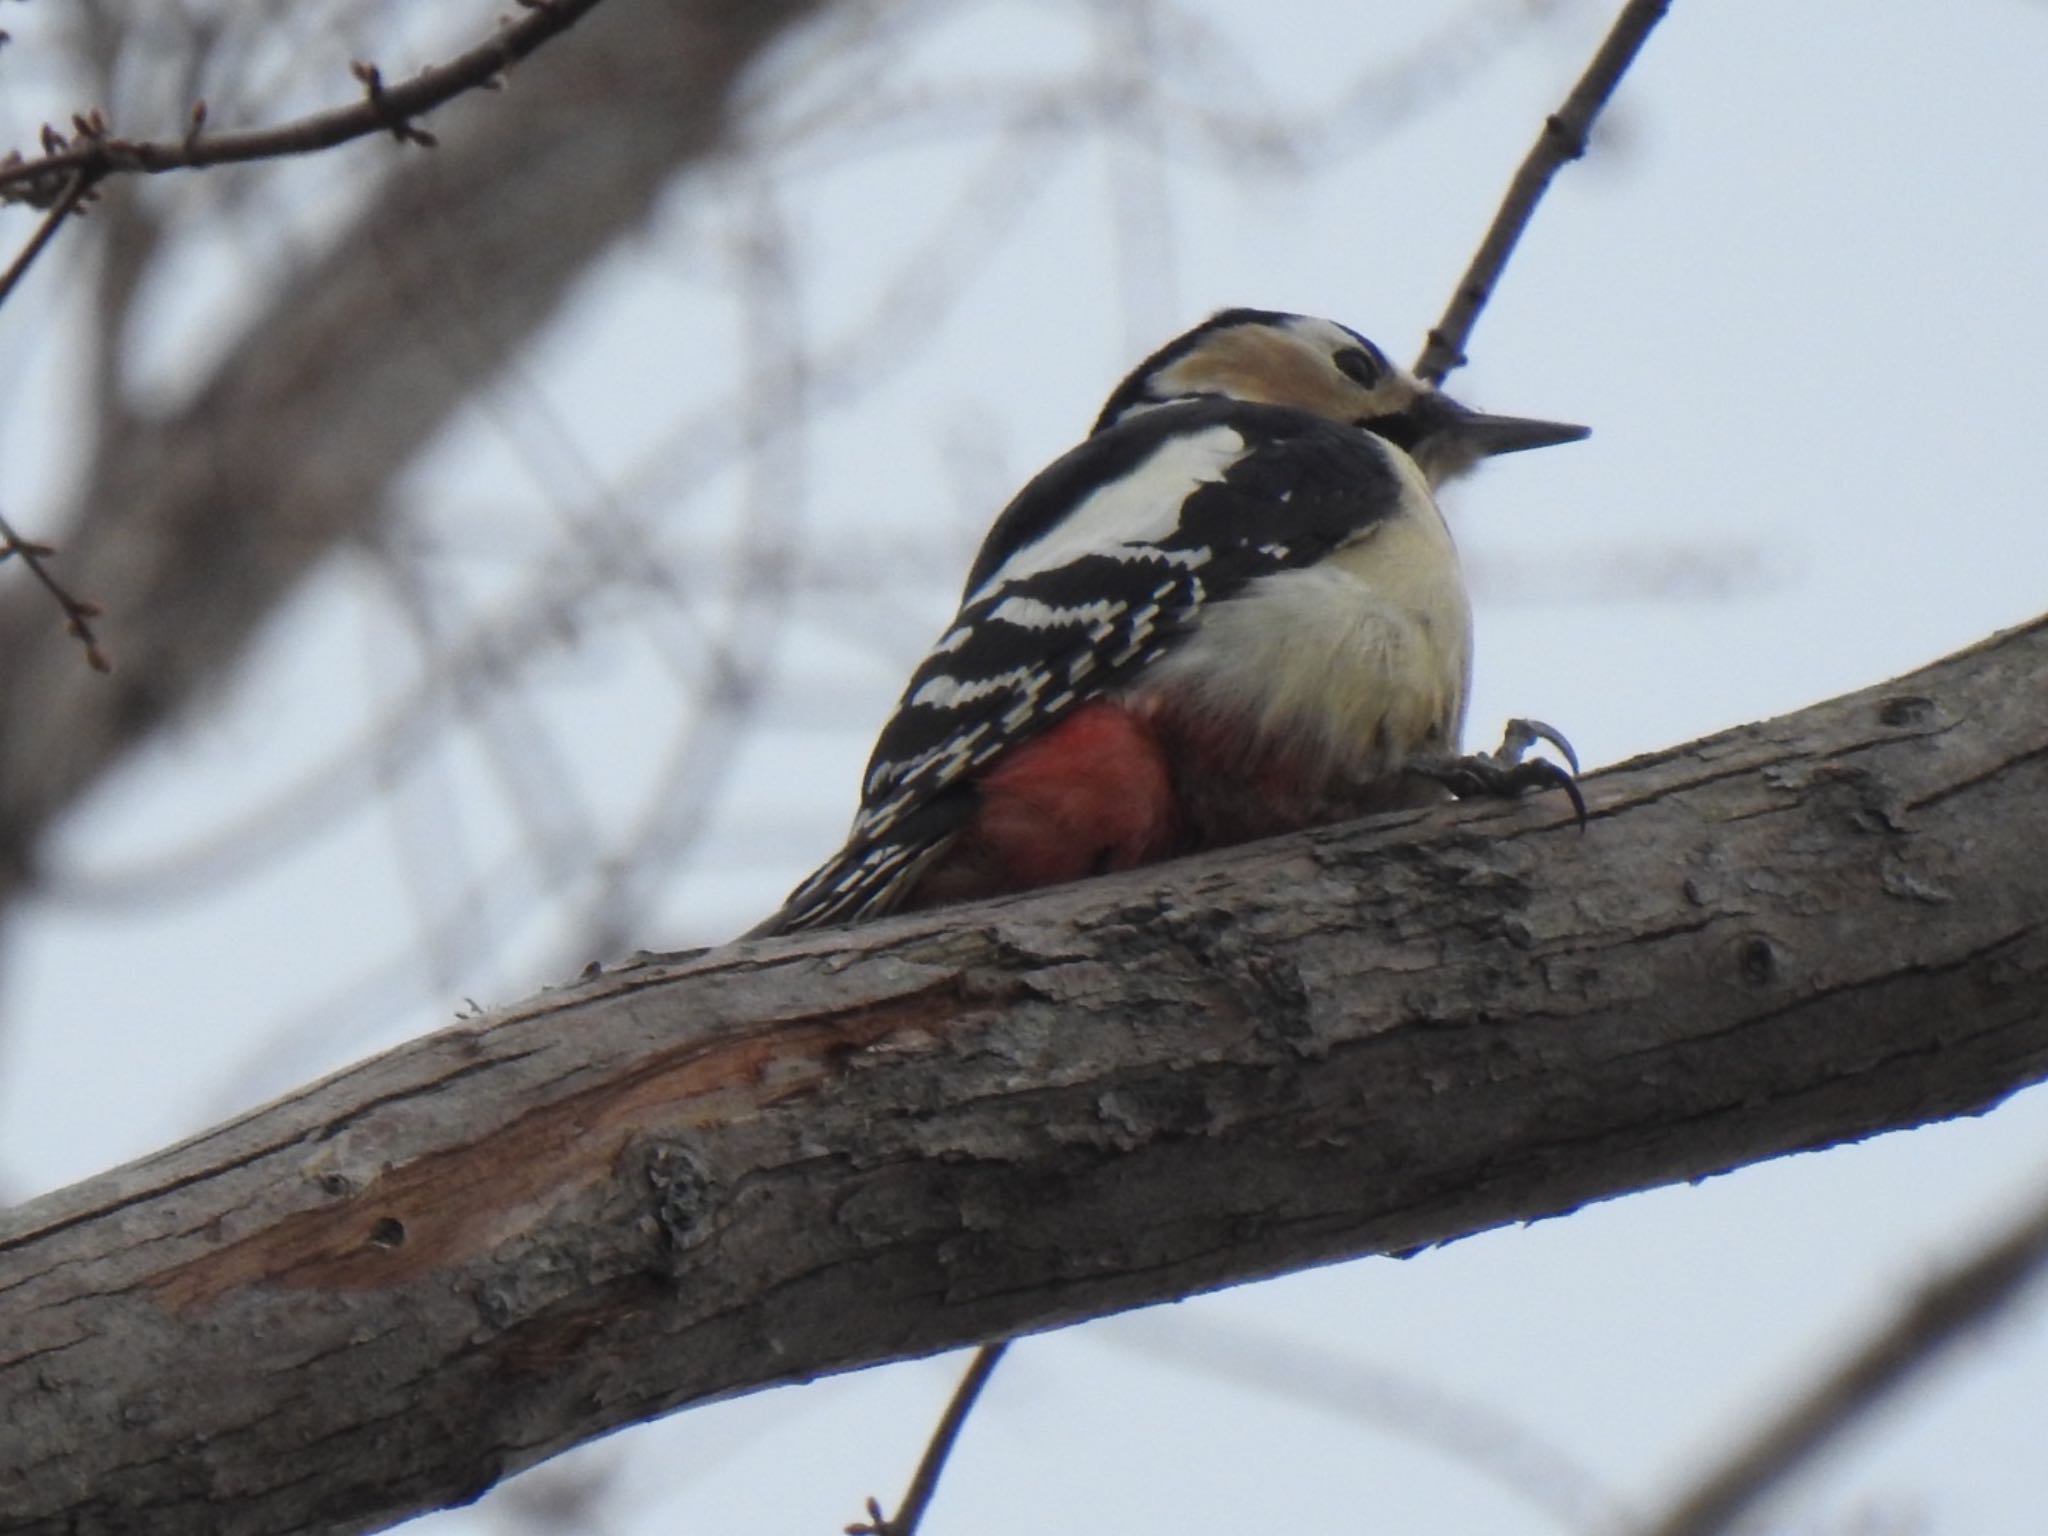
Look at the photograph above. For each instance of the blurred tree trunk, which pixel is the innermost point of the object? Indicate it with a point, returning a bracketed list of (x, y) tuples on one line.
[(697, 1177), (191, 526)]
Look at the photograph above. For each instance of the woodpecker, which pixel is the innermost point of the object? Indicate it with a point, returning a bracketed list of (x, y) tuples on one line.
[(1232, 610)]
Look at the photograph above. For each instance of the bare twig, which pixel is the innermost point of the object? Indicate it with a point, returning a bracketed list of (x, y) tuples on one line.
[(1943, 1315), (919, 1494), (74, 193), (383, 109), (78, 612), (1563, 139), (81, 163)]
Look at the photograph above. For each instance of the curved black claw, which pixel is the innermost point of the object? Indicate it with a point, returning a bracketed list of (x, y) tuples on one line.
[(1507, 772), (1521, 735)]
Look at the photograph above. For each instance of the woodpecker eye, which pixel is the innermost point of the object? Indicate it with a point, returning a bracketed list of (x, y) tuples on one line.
[(1360, 366)]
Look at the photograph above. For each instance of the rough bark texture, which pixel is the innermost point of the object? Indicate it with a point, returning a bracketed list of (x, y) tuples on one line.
[(693, 1178)]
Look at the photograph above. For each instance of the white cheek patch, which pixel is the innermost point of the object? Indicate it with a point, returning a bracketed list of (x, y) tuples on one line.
[(1141, 508)]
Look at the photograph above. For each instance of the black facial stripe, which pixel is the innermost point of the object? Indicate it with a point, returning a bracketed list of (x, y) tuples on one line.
[(1424, 416), (1404, 429)]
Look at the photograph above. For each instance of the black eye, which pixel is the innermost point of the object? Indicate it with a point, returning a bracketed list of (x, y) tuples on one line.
[(1360, 366)]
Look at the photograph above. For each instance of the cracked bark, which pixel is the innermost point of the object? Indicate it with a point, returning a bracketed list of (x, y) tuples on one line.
[(706, 1174)]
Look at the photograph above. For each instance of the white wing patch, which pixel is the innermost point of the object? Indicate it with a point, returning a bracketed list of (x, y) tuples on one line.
[(944, 691), (1031, 613), (1141, 508)]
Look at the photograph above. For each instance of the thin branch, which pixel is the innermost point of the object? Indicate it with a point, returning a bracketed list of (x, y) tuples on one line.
[(288, 442), (1563, 139), (383, 109), (926, 1483), (80, 164), (78, 612), (1943, 1315), (74, 193)]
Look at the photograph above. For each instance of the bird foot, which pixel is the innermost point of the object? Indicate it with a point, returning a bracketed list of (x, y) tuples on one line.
[(1506, 772)]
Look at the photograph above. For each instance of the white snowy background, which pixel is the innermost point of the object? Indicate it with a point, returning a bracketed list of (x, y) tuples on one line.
[(1799, 290)]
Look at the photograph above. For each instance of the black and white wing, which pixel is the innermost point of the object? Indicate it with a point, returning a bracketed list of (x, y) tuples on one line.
[(1092, 573)]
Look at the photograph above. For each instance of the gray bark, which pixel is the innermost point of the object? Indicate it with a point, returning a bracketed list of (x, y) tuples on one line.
[(703, 1175)]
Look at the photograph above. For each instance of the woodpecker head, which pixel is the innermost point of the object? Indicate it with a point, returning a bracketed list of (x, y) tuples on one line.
[(1329, 370)]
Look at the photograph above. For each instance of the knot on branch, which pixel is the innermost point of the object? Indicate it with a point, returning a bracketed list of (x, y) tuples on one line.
[(1568, 135), (397, 123), (85, 154)]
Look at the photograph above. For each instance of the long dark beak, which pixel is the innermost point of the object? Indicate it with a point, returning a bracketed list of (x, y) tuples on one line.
[(1485, 436)]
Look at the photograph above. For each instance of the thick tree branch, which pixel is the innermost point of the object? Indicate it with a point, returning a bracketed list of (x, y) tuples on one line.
[(709, 1174)]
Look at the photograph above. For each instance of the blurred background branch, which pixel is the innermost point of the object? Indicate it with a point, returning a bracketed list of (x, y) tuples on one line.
[(193, 522)]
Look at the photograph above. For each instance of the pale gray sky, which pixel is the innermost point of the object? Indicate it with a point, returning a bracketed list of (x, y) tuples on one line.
[(1798, 294)]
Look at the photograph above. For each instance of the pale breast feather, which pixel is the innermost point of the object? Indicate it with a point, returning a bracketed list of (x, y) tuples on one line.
[(1100, 566)]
